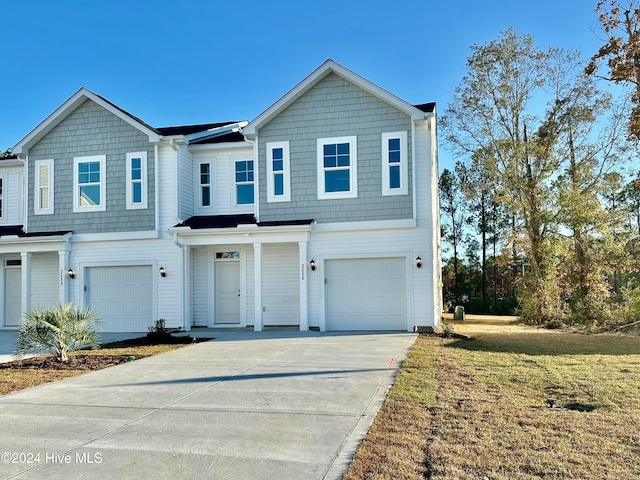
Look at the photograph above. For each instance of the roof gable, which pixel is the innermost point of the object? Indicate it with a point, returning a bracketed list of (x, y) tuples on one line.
[(64, 110), (316, 76)]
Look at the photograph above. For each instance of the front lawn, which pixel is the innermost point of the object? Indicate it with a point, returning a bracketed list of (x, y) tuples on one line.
[(513, 403)]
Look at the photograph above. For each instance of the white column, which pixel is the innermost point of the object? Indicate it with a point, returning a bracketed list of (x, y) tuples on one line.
[(303, 248), (257, 262), (186, 282), (26, 281), (63, 287)]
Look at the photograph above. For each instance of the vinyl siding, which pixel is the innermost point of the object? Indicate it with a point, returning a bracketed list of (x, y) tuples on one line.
[(200, 287), (167, 186), (186, 188), (44, 279), (92, 130), (280, 284), (12, 196), (335, 108)]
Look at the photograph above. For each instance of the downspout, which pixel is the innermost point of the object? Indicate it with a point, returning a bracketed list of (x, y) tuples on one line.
[(25, 193), (257, 178), (156, 152), (176, 149), (413, 170)]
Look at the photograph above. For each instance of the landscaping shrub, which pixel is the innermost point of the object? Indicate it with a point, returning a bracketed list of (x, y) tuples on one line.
[(58, 330)]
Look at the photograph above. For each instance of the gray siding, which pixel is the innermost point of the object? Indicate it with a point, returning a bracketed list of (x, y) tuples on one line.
[(92, 130), (335, 108)]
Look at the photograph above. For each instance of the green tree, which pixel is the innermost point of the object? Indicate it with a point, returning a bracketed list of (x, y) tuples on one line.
[(58, 330), (452, 206), (620, 21)]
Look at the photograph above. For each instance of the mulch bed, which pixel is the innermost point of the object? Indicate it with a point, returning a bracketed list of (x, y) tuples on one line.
[(75, 362)]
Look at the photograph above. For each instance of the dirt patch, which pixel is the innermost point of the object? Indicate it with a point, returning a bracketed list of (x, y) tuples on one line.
[(75, 362)]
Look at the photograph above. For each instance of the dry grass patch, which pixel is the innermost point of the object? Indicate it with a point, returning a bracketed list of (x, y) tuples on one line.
[(490, 420)]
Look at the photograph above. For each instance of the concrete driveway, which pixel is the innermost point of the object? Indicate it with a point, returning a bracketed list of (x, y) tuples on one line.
[(269, 405)]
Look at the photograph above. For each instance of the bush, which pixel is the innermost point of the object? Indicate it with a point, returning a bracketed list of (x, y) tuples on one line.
[(58, 330)]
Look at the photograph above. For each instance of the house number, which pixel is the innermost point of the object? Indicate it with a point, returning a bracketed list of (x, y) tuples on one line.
[(302, 271)]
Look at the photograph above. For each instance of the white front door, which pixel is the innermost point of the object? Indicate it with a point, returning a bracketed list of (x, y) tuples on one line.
[(227, 296), (12, 296)]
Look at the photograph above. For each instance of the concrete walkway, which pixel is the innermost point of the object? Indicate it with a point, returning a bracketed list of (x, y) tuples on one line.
[(269, 405)]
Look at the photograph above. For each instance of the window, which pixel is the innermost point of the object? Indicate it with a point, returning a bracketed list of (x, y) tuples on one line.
[(394, 164), (43, 186), (278, 184), (137, 180), (244, 182), (205, 184), (89, 183), (337, 168)]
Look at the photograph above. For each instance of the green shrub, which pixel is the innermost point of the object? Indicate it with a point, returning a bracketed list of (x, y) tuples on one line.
[(58, 330)]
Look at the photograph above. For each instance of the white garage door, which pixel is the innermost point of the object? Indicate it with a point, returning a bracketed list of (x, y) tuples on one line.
[(366, 294), (123, 297)]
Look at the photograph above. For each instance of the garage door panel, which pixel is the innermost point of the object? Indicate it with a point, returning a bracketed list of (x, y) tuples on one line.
[(122, 296), (366, 294)]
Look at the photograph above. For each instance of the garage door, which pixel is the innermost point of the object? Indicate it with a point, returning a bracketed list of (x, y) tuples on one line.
[(366, 294), (123, 297)]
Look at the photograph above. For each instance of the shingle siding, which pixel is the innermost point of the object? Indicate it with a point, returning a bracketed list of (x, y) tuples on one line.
[(92, 130), (335, 108)]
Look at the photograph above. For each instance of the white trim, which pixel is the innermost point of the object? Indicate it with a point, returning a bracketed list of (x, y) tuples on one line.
[(353, 167), (37, 188), (236, 184), (303, 254), (285, 172), (102, 206), (200, 186), (131, 205), (3, 196), (215, 132), (386, 165)]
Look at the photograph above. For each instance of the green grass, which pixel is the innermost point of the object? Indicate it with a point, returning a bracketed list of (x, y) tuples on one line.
[(480, 408)]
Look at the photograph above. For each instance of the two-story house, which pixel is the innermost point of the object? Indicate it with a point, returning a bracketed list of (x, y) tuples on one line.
[(321, 212)]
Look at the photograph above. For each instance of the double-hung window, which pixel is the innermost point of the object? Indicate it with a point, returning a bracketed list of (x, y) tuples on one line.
[(43, 188), (204, 182), (395, 177), (137, 180), (89, 183), (278, 183), (244, 182), (337, 167)]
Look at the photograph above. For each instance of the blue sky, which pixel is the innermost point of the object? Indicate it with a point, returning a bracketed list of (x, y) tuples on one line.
[(177, 62)]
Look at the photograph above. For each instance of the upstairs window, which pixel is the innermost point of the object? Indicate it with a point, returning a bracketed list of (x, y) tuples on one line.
[(337, 167), (205, 184), (394, 164), (137, 180), (244, 182), (43, 187), (278, 183), (89, 183)]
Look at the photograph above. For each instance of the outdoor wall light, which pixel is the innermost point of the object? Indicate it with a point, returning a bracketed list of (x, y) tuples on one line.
[(163, 272), (71, 274), (418, 262), (312, 264)]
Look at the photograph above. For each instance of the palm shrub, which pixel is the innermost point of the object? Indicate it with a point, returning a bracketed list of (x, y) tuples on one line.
[(58, 330)]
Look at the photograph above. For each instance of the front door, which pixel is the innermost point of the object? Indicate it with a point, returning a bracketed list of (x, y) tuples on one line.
[(12, 296), (227, 297)]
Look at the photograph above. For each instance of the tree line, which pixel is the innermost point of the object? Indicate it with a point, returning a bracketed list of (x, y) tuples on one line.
[(541, 214)]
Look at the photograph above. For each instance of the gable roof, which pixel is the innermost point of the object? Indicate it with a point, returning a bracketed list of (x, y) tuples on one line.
[(316, 76), (64, 110)]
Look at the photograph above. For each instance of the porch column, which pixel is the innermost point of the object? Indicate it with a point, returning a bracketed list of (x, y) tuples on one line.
[(186, 285), (63, 266), (304, 302), (26, 281), (257, 265)]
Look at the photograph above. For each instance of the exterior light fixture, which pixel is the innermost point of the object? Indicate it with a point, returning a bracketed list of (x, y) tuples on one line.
[(71, 274), (163, 272), (312, 264), (418, 262)]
